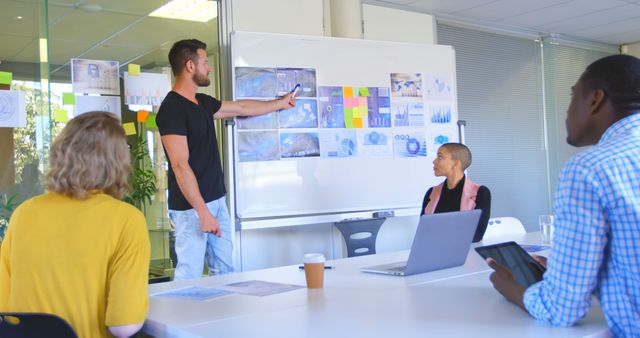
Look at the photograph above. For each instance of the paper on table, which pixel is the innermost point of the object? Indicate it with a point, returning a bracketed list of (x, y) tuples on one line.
[(259, 288), (193, 293)]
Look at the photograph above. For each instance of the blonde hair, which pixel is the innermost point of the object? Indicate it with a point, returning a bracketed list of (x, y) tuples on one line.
[(459, 152), (89, 155)]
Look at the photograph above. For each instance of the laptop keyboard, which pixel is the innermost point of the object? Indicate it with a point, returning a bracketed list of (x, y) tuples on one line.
[(398, 268)]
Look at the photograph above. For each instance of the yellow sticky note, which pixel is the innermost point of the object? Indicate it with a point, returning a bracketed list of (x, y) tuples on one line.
[(129, 128), (364, 91), (134, 70), (68, 98), (60, 115), (348, 91), (142, 115), (151, 122), (5, 78)]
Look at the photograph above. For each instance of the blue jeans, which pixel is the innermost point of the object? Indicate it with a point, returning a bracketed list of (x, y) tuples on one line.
[(192, 244)]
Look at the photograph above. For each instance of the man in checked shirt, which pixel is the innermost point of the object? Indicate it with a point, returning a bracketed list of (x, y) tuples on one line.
[(596, 243)]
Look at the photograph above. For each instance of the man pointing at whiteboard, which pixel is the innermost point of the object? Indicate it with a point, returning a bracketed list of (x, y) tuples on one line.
[(197, 203)]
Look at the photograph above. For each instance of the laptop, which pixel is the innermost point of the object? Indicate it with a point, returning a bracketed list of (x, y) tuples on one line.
[(441, 241)]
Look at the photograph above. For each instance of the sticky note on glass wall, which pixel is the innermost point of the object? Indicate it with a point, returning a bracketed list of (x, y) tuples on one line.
[(129, 128), (60, 115), (364, 91), (68, 98), (151, 122), (6, 78), (142, 115), (134, 70)]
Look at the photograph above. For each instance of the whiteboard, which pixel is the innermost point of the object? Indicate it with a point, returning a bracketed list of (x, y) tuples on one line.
[(272, 186)]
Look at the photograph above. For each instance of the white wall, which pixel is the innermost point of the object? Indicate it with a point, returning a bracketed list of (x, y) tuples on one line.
[(381, 23), (302, 17), (285, 246)]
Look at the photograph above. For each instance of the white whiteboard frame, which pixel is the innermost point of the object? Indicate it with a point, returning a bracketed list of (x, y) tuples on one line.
[(282, 50)]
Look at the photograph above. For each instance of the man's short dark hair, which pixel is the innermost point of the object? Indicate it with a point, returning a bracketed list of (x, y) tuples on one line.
[(183, 51), (619, 77)]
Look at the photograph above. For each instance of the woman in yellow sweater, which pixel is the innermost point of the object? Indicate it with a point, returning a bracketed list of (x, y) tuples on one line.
[(78, 251)]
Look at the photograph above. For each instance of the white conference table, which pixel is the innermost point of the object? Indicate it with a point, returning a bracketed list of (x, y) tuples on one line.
[(456, 302)]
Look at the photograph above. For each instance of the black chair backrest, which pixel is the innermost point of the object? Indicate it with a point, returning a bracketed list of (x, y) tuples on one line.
[(34, 325), (360, 246)]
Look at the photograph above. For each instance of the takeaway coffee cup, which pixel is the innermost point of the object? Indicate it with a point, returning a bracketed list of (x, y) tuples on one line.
[(314, 270)]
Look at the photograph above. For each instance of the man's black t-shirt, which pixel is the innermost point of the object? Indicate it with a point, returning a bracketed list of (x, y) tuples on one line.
[(179, 116)]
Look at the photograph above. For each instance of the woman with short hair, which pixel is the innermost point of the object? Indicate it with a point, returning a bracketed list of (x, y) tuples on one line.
[(457, 192)]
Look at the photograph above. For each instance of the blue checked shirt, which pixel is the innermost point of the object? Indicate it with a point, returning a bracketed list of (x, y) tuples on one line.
[(596, 244)]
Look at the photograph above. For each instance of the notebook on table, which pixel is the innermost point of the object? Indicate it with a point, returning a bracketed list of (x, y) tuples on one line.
[(441, 241)]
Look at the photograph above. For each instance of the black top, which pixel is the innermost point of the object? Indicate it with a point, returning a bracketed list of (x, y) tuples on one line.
[(450, 201), (179, 116)]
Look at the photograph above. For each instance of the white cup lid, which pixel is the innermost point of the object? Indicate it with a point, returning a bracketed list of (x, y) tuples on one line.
[(313, 258)]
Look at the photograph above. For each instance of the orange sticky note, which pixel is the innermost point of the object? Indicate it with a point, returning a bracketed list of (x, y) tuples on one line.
[(142, 115), (134, 70), (129, 128), (348, 91)]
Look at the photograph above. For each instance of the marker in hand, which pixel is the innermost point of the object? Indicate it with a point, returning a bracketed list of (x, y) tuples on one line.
[(295, 90)]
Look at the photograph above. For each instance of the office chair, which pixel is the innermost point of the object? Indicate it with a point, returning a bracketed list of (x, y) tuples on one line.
[(34, 325), (353, 232), (503, 226)]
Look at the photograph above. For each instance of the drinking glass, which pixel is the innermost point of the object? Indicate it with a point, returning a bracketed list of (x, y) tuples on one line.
[(546, 229)]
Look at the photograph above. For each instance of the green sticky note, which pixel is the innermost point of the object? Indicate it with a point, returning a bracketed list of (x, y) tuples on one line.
[(68, 98), (5, 78), (151, 122), (364, 91), (129, 128), (348, 117), (60, 115), (134, 70)]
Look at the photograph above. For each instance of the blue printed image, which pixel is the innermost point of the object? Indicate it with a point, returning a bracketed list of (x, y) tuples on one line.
[(303, 115), (299, 145), (255, 82), (441, 114), (288, 78), (331, 107)]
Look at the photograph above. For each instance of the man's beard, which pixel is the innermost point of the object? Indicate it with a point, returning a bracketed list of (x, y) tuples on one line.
[(201, 80)]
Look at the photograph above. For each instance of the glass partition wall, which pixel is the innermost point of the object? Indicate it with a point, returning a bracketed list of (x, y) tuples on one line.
[(67, 57)]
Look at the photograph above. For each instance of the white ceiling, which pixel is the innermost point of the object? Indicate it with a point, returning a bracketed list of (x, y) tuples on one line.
[(122, 31), (604, 21)]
